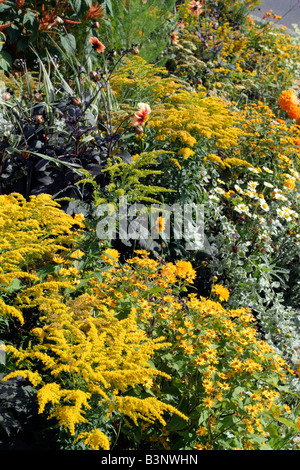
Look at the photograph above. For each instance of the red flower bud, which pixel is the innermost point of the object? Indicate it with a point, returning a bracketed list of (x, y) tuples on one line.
[(135, 50), (138, 129)]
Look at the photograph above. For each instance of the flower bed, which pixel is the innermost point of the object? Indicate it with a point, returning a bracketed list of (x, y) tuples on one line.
[(149, 218)]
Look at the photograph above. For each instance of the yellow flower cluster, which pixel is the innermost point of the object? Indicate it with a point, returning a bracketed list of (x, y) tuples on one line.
[(93, 352), (151, 79), (178, 115), (99, 344), (32, 232), (207, 333), (188, 117)]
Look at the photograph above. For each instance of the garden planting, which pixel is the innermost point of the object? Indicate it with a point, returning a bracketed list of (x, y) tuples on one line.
[(149, 222)]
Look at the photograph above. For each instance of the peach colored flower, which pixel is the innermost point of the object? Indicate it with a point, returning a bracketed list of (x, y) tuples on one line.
[(142, 115), (97, 44), (195, 8)]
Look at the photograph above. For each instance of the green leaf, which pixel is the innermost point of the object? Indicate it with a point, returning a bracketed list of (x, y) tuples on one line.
[(14, 32), (14, 285), (80, 6), (45, 271), (5, 61), (177, 423), (5, 6), (30, 20), (68, 43), (74, 166), (76, 5), (2, 40), (108, 6), (272, 430), (288, 423)]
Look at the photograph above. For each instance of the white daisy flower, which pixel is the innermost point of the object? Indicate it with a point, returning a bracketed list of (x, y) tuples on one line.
[(280, 212), (242, 208), (219, 190), (264, 205), (213, 198), (267, 169), (238, 189)]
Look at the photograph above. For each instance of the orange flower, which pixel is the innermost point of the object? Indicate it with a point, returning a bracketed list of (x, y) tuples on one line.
[(142, 115), (289, 183), (95, 11), (50, 19), (184, 270), (221, 292), (97, 44), (160, 224), (294, 112), (195, 8), (288, 99), (174, 37)]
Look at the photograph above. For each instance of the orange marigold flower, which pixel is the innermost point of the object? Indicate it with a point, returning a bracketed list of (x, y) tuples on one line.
[(168, 273), (294, 112), (142, 115), (289, 183), (287, 100), (184, 269), (97, 44), (221, 292)]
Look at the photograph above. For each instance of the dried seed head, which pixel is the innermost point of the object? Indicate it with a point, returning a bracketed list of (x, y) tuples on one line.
[(77, 101), (5, 96), (134, 50), (38, 96), (138, 129), (39, 119), (94, 76)]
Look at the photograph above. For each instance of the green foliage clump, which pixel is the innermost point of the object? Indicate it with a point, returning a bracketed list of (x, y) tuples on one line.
[(143, 25)]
